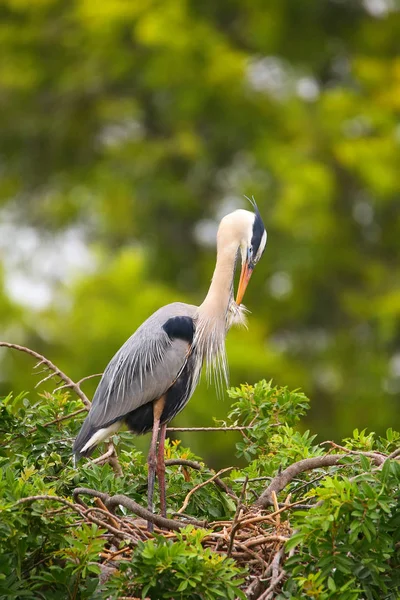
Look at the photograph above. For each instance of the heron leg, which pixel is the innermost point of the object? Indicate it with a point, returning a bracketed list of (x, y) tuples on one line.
[(161, 469), (158, 406)]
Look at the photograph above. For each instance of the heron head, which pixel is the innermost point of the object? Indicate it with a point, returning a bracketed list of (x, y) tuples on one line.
[(243, 230), (252, 246)]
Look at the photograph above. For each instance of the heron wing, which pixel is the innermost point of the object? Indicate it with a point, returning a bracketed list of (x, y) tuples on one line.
[(145, 367)]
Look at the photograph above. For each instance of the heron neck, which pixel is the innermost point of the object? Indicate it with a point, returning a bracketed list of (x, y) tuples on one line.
[(220, 292), (211, 326)]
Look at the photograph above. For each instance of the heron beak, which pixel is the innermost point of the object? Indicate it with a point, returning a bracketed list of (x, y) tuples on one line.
[(247, 270)]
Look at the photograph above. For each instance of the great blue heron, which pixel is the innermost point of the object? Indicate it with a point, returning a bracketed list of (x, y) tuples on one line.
[(154, 374)]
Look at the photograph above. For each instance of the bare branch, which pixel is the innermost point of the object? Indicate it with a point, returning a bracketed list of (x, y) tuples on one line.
[(66, 385), (195, 465), (269, 518), (57, 372), (200, 485), (233, 428), (54, 498), (191, 520), (89, 377), (264, 539), (237, 515), (45, 379), (184, 463), (281, 480)]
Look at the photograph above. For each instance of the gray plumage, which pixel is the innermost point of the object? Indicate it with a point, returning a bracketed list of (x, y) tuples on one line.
[(142, 370)]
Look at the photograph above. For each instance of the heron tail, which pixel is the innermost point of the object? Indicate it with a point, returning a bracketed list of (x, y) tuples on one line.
[(80, 448), (89, 437)]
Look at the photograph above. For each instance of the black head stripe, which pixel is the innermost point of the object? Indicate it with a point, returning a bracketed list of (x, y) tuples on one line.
[(258, 231), (181, 328)]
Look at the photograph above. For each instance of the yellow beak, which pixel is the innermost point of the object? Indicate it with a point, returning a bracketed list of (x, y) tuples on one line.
[(245, 275)]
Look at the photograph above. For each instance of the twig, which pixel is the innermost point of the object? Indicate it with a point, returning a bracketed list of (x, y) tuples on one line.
[(114, 519), (111, 457), (307, 483), (43, 360), (376, 456), (116, 532), (233, 428), (265, 478), (45, 379), (200, 485), (118, 524), (80, 509), (67, 385), (198, 467), (104, 457), (268, 517), (276, 508), (112, 555), (256, 556), (246, 551), (60, 419), (184, 463), (235, 524), (281, 480), (264, 539), (89, 377), (192, 520), (268, 594)]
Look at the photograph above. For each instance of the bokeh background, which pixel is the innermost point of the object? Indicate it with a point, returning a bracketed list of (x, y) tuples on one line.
[(128, 129)]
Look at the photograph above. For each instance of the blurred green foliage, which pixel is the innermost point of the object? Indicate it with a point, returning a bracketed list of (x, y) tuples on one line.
[(138, 124)]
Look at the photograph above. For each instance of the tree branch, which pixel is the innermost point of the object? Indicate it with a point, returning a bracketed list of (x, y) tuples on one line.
[(281, 480), (48, 497), (112, 502), (52, 367), (394, 454), (375, 456)]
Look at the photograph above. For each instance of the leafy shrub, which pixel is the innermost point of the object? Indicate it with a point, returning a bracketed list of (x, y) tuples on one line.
[(344, 538), (348, 543), (181, 570)]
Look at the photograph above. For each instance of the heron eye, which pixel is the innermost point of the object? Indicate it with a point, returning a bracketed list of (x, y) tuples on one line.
[(251, 259)]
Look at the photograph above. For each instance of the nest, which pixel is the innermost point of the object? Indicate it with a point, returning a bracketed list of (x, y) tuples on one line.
[(253, 538)]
